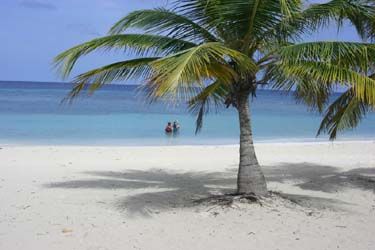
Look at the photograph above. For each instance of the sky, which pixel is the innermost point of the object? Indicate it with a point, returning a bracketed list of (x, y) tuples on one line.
[(32, 32)]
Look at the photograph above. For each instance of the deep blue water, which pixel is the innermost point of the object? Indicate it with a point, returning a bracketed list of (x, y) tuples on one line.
[(31, 113)]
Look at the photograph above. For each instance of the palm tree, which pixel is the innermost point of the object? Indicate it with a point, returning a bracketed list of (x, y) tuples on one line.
[(214, 53)]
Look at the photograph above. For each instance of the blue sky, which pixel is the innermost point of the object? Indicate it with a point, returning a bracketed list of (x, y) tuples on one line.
[(34, 31)]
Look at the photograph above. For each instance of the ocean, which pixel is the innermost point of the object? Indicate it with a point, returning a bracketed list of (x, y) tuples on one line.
[(32, 113)]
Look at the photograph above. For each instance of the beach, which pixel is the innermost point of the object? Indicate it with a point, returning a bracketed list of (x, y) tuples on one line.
[(136, 197), (193, 124)]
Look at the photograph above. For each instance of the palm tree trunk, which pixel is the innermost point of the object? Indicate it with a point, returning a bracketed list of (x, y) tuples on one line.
[(250, 176)]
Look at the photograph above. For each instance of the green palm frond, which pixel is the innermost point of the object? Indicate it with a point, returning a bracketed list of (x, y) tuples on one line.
[(163, 21), (345, 63), (313, 94), (363, 85), (120, 71), (307, 90), (247, 21), (344, 113), (360, 13), (290, 27), (177, 73), (208, 14), (212, 95), (352, 55), (269, 19), (139, 44)]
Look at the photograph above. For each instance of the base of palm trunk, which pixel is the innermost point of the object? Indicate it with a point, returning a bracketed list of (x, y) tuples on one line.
[(229, 199)]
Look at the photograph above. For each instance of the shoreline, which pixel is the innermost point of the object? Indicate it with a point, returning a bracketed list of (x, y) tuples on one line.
[(263, 142)]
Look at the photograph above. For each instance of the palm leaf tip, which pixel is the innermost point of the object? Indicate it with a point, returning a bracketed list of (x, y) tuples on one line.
[(138, 68)]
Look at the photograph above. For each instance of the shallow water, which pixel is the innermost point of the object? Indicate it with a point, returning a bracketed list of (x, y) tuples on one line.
[(31, 113)]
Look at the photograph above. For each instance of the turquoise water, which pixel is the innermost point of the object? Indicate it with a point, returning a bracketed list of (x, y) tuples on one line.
[(31, 113)]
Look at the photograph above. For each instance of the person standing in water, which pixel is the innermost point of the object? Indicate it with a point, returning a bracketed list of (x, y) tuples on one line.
[(176, 126), (169, 128)]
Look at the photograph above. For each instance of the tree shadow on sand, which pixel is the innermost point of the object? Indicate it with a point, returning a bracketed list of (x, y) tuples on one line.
[(316, 177), (157, 190)]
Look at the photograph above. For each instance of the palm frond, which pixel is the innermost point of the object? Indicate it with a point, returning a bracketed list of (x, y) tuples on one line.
[(207, 14), (344, 113), (139, 44), (290, 25), (211, 96), (163, 21), (333, 62), (247, 20), (352, 55), (360, 13), (177, 73), (313, 94), (322, 72), (307, 90), (269, 20), (121, 71)]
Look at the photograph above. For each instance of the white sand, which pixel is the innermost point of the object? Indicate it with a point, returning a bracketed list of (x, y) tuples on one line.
[(114, 198)]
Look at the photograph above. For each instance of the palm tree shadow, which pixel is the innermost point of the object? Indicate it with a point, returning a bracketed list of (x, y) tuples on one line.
[(322, 178), (157, 190)]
